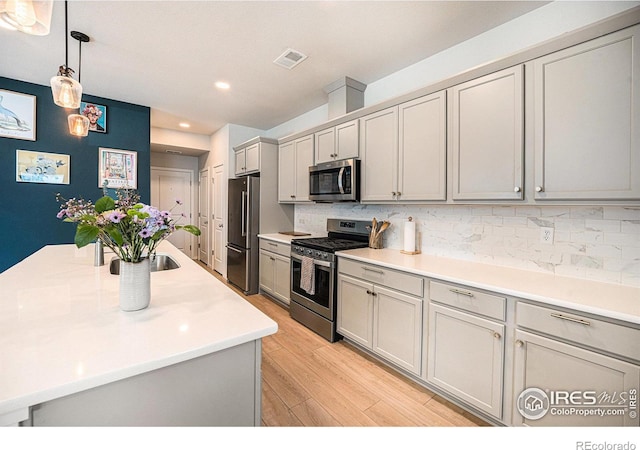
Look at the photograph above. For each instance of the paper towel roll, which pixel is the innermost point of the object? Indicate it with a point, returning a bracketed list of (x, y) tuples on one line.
[(409, 236)]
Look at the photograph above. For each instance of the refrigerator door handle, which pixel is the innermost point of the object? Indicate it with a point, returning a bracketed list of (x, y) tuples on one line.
[(234, 249), (244, 216)]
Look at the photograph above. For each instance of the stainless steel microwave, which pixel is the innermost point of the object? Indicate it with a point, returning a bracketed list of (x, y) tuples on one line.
[(335, 181)]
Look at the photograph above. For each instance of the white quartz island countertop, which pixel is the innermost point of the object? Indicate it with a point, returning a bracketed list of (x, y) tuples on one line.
[(605, 299), (62, 330)]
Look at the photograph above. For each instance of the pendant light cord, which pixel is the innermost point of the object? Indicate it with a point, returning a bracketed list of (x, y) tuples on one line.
[(66, 38)]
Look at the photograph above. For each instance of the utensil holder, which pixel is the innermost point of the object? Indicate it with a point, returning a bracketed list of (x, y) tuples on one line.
[(375, 242)]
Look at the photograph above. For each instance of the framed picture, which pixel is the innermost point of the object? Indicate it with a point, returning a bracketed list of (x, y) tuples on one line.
[(97, 115), (17, 115), (40, 167), (117, 168)]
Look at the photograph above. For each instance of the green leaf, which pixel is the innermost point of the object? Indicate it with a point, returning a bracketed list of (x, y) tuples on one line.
[(105, 204), (190, 228), (85, 234), (115, 234)]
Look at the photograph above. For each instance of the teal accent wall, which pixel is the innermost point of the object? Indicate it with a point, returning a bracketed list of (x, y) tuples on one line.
[(28, 210)]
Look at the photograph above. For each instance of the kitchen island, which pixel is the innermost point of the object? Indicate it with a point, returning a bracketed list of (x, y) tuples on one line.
[(70, 356)]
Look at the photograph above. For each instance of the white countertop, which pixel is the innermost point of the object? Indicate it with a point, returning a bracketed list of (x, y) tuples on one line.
[(609, 300), (63, 330), (282, 238)]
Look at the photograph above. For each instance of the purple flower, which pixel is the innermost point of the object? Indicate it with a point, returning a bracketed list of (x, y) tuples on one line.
[(61, 214), (178, 201), (116, 216), (145, 233), (165, 214)]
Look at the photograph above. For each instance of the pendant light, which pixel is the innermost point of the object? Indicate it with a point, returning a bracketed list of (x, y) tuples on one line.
[(66, 91), (31, 17), (78, 123)]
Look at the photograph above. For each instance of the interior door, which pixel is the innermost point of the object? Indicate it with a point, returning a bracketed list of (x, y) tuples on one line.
[(204, 217), (168, 186), (219, 241)]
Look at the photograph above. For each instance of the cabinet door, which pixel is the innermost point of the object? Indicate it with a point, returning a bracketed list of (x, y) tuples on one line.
[(379, 147), (587, 126), (304, 159), (347, 140), (466, 357), (355, 310), (282, 274), (487, 140), (287, 172), (556, 367), (240, 162), (397, 328), (267, 270), (252, 158), (325, 141), (422, 149)]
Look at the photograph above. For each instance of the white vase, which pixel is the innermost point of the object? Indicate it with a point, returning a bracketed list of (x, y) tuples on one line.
[(135, 285)]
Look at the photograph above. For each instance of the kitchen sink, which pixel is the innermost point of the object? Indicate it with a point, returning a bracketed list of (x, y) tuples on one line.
[(160, 262)]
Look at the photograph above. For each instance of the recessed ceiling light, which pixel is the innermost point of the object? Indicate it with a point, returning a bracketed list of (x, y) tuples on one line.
[(184, 125), (222, 85)]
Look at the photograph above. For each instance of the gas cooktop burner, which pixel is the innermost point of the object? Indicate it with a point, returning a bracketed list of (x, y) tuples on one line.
[(329, 244)]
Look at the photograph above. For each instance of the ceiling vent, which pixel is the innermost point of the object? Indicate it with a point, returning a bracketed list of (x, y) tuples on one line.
[(290, 58)]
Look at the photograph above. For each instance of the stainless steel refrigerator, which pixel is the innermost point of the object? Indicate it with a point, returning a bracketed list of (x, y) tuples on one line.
[(244, 223)]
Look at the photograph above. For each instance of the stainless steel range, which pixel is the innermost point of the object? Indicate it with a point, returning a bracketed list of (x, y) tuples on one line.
[(314, 273)]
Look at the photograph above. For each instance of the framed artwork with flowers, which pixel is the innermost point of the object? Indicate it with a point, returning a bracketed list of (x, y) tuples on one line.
[(97, 115), (117, 168)]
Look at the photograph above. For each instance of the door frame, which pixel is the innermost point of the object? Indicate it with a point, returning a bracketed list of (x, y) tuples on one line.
[(206, 214)]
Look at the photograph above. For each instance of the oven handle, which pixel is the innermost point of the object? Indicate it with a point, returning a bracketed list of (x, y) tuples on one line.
[(340, 184), (315, 261)]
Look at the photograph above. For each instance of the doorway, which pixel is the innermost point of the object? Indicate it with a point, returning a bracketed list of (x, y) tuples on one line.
[(168, 186)]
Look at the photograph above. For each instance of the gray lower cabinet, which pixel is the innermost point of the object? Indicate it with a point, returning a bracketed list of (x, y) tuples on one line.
[(379, 318), (466, 346), (275, 273), (587, 120), (571, 369)]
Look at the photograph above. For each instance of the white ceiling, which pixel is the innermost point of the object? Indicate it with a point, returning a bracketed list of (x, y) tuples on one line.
[(168, 54)]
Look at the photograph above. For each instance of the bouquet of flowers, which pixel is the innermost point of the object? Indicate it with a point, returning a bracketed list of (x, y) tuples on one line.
[(131, 229)]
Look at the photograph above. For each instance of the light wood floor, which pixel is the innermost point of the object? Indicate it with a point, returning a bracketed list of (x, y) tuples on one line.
[(308, 381)]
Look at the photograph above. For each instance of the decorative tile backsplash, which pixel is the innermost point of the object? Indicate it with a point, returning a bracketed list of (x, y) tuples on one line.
[(598, 243)]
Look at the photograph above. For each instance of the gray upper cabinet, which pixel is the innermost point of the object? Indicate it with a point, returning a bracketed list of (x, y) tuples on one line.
[(339, 142), (247, 159), (379, 148), (586, 112), (294, 159), (403, 149), (487, 137)]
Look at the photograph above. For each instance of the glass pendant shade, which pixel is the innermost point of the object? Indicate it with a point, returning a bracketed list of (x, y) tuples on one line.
[(66, 91), (31, 17), (78, 125)]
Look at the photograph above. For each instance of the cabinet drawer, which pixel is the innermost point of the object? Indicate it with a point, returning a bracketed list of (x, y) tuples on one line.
[(595, 333), (470, 300), (275, 247), (400, 281)]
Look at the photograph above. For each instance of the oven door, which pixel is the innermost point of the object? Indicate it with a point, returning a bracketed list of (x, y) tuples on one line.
[(322, 301)]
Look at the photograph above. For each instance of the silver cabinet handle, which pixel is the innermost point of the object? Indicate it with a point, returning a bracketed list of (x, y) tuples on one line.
[(293, 196), (497, 335), (369, 292), (398, 194), (539, 189), (393, 193), (519, 343), (516, 189), (571, 319), (373, 270), (458, 291)]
